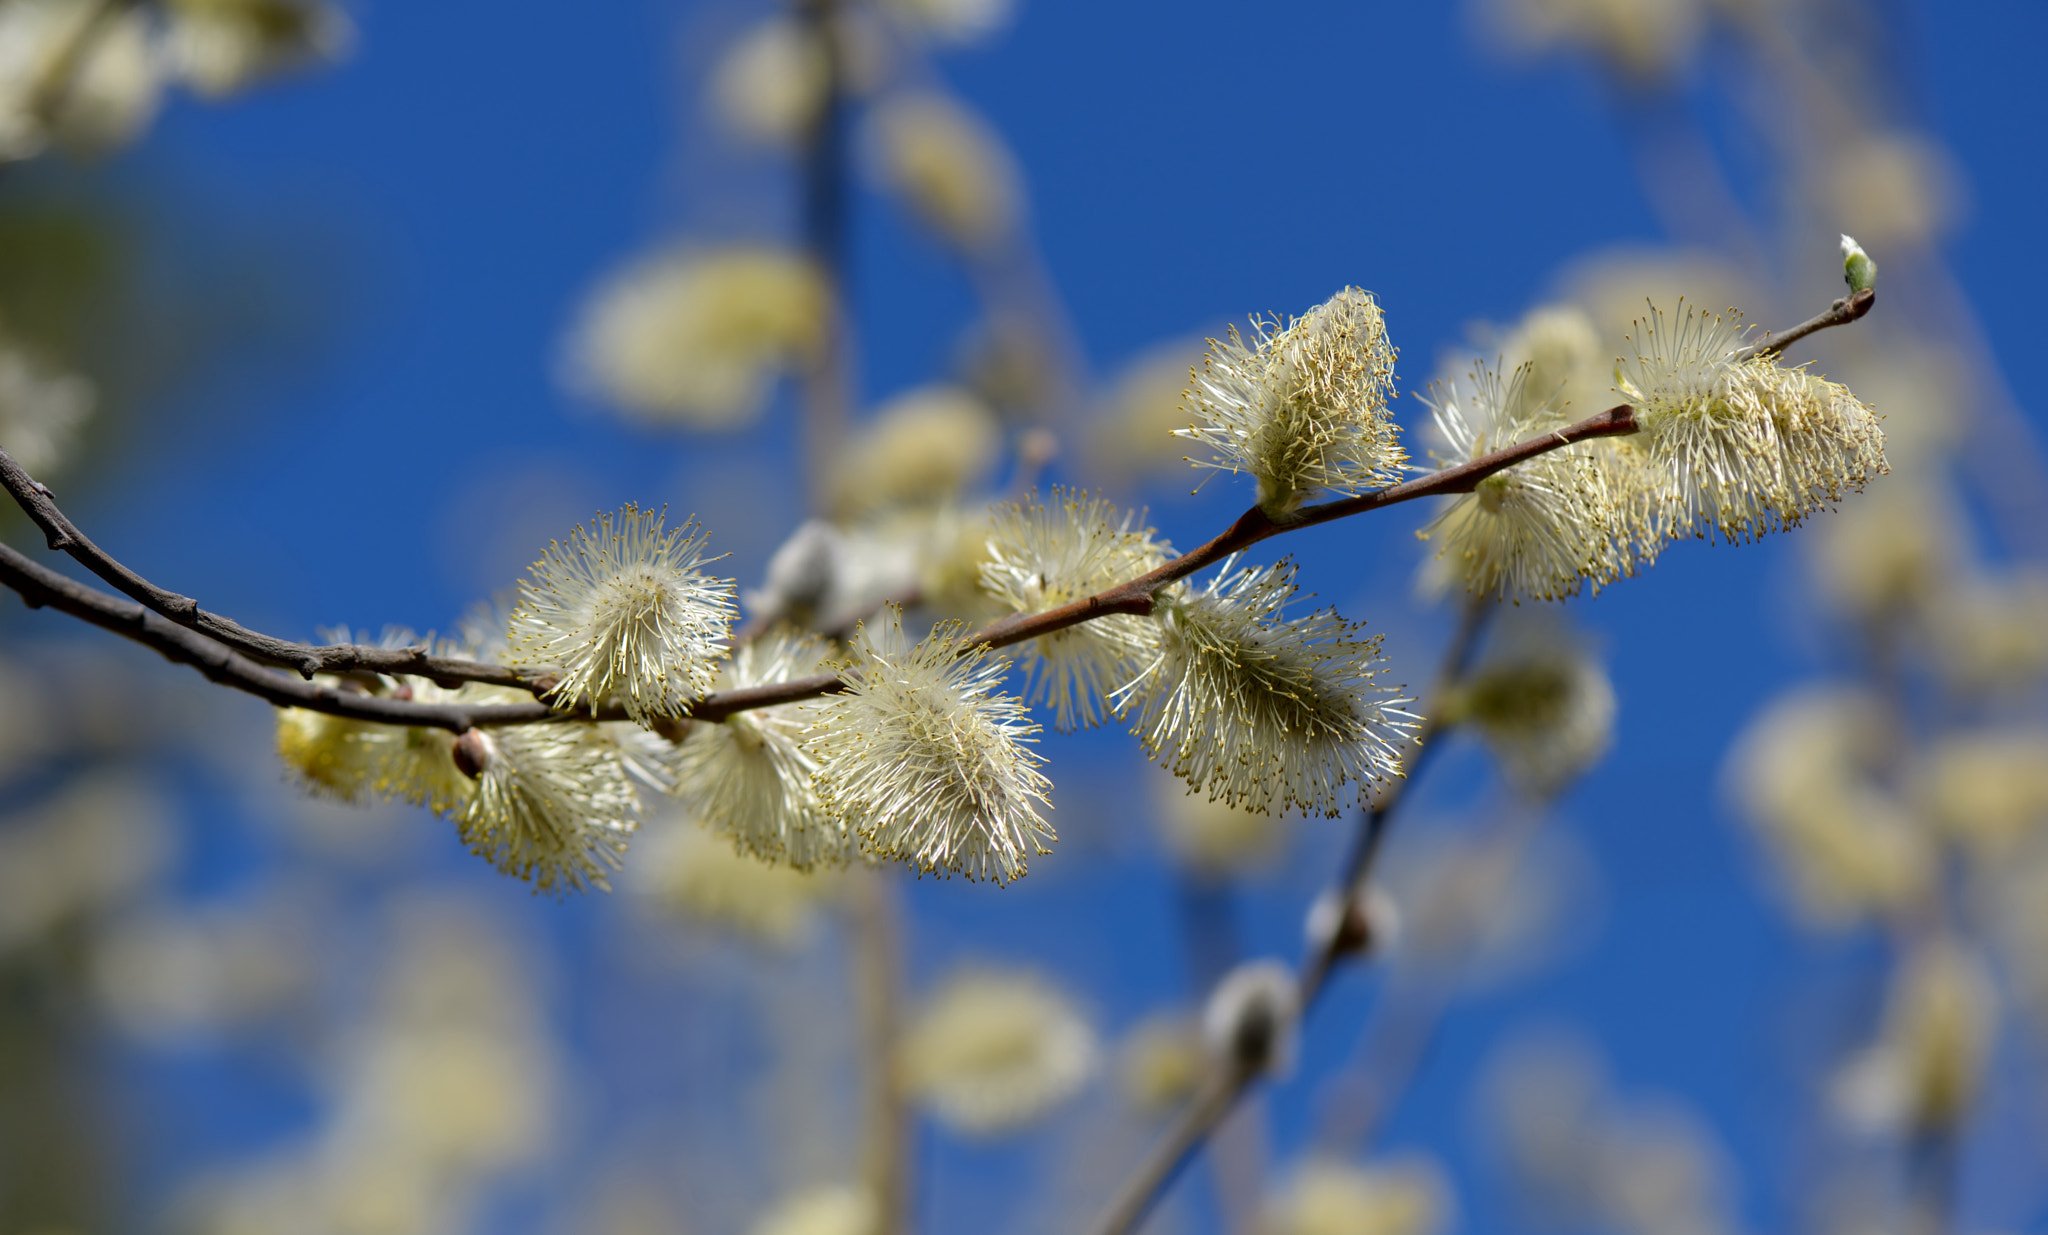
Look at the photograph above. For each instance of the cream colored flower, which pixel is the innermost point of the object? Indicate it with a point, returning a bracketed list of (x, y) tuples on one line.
[(1925, 1070), (924, 447), (953, 21), (1738, 448), (1990, 634), (949, 167), (925, 762), (770, 84), (1544, 706), (683, 869), (1043, 556), (1135, 421), (1302, 409), (1252, 1019), (1987, 789), (1893, 190), (74, 74), (333, 756), (41, 411), (222, 47), (1401, 1196), (1539, 530), (1804, 772), (1643, 39), (991, 1051), (696, 337), (835, 1210), (625, 610), (553, 805), (749, 777), (1262, 713), (1161, 1062)]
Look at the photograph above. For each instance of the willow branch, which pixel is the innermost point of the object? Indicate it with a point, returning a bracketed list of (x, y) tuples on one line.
[(1840, 313), (61, 533), (1134, 596), (40, 586), (1220, 1089)]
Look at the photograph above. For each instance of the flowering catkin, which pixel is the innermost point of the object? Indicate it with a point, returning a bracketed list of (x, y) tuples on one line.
[(1044, 556), (625, 610), (749, 777), (992, 1051), (1303, 409), (1538, 530), (553, 805), (1262, 713), (1736, 446), (925, 762)]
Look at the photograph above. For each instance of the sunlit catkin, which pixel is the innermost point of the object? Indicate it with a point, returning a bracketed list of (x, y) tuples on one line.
[(992, 1051), (948, 166), (625, 610), (926, 762), (1302, 409), (749, 776), (1263, 713), (695, 337), (1543, 704), (553, 805), (1738, 446), (1539, 530), (1070, 548)]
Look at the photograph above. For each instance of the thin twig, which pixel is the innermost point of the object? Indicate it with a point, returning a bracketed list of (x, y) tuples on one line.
[(1227, 1082), (40, 586), (1134, 596), (36, 501), (1840, 313)]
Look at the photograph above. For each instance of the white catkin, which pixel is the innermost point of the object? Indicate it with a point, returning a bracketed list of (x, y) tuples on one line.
[(1043, 556), (925, 762), (625, 610), (1264, 713), (1302, 409)]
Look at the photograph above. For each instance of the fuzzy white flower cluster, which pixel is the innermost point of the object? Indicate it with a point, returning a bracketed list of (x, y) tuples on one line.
[(915, 754), (992, 1051), (1736, 446), (925, 762), (625, 610), (89, 77), (552, 804), (1043, 556), (1540, 529), (1730, 447), (1302, 409), (750, 777), (1266, 714)]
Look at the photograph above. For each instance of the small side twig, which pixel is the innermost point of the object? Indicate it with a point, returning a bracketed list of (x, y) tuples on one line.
[(1840, 313), (1227, 1081), (61, 533), (39, 586)]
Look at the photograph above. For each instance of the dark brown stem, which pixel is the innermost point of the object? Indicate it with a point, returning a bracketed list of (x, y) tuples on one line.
[(1840, 313), (1134, 596), (1227, 1082), (40, 586), (36, 501)]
